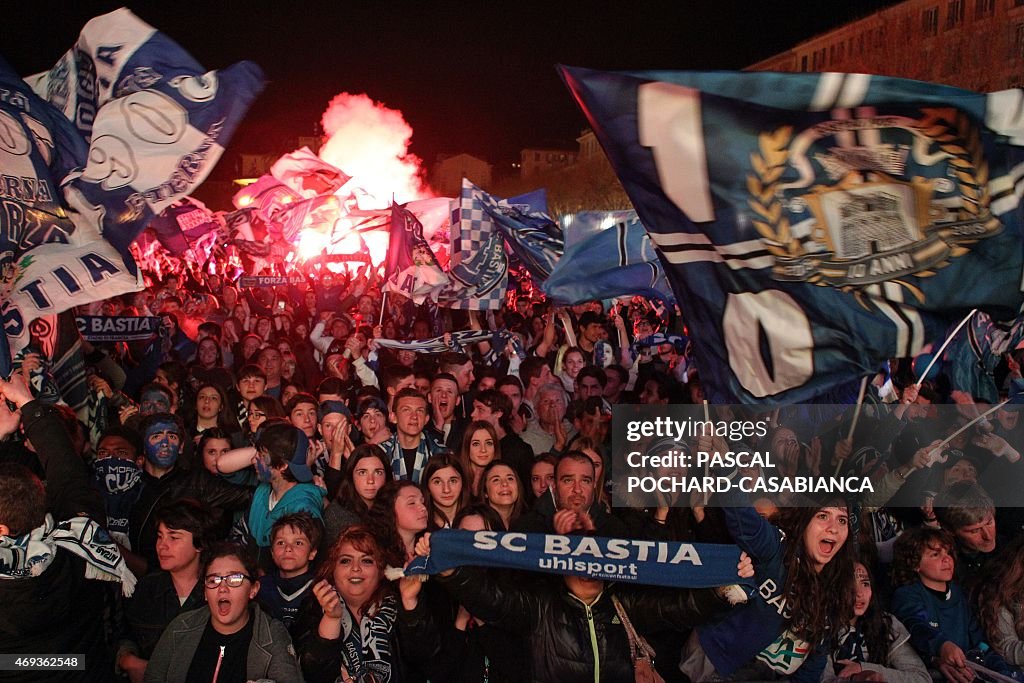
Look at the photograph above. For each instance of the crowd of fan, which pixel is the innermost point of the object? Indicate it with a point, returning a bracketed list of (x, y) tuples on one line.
[(263, 461)]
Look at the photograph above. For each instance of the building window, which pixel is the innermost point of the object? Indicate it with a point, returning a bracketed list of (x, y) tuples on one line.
[(984, 8), (930, 21), (803, 63), (954, 13)]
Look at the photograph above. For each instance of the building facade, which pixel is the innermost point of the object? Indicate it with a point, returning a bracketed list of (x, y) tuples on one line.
[(972, 44)]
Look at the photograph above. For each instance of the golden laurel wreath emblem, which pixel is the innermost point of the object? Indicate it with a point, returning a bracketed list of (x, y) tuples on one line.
[(950, 129)]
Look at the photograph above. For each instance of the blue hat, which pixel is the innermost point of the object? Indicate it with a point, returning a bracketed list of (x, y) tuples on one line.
[(298, 467), (328, 407)]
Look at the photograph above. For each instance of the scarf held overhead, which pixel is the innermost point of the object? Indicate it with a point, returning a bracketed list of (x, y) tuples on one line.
[(659, 563)]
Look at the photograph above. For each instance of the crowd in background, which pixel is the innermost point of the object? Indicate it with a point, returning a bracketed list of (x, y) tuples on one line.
[(261, 462)]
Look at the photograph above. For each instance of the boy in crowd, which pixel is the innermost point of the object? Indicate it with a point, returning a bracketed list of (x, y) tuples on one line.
[(293, 546)]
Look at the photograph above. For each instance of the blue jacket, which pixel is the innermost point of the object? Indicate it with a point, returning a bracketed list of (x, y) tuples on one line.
[(301, 497), (933, 620), (758, 628)]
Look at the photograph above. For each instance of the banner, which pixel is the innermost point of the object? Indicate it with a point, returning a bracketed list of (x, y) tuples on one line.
[(307, 174), (655, 563), (104, 328), (532, 235), (815, 225), (183, 223), (270, 280)]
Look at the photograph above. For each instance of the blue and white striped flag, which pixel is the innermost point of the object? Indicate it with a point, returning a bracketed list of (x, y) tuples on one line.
[(608, 254), (815, 225), (125, 124), (479, 266)]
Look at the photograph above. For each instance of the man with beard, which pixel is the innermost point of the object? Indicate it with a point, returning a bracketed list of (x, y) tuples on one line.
[(570, 509)]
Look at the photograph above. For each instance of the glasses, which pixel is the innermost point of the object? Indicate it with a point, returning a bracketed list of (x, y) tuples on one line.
[(257, 413), (233, 580)]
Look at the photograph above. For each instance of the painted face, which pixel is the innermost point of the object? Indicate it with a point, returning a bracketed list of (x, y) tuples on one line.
[(229, 605), (303, 416), (292, 551), (481, 448), (212, 450), (825, 535), (980, 537), (542, 476), (936, 566), (574, 485), (175, 549), (410, 510), (445, 486), (368, 477), (154, 401), (501, 486), (356, 576), (163, 443), (208, 403), (861, 589)]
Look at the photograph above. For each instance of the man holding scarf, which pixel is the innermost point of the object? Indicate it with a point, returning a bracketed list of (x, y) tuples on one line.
[(52, 550)]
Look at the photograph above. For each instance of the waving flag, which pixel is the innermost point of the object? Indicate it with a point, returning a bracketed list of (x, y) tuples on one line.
[(814, 225), (479, 266), (532, 235), (181, 224), (411, 268), (617, 257), (125, 124), (308, 175)]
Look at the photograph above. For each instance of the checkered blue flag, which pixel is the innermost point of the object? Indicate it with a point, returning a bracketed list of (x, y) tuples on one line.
[(479, 266)]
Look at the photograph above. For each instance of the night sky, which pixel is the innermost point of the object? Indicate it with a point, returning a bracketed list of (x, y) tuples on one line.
[(469, 77)]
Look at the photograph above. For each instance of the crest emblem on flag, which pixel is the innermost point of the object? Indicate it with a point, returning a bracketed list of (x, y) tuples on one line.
[(925, 202)]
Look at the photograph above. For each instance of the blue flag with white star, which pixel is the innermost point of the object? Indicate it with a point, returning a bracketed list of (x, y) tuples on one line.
[(815, 225)]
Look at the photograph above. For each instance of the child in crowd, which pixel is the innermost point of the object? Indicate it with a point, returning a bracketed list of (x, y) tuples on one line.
[(942, 624), (294, 540)]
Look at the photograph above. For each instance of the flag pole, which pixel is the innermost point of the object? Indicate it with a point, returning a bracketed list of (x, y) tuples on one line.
[(383, 301), (933, 454), (856, 417), (942, 348)]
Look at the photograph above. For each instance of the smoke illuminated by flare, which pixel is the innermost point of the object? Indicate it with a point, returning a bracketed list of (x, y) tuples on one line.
[(370, 142)]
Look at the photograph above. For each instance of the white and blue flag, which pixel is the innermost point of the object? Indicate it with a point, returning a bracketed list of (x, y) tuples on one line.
[(815, 225)]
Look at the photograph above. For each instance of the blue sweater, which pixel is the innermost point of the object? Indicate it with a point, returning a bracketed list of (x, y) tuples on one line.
[(758, 628), (933, 619)]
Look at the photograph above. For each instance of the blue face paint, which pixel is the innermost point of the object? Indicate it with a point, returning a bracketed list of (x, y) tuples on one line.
[(163, 443), (154, 401), (262, 469)]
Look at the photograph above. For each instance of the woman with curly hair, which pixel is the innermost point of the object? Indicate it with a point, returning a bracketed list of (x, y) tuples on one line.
[(351, 626), (999, 595), (875, 645)]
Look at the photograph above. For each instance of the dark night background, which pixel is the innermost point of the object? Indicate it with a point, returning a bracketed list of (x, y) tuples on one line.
[(477, 78)]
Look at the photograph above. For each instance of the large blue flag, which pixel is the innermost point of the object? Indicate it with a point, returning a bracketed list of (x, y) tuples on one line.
[(125, 124), (609, 254), (814, 225), (533, 236)]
